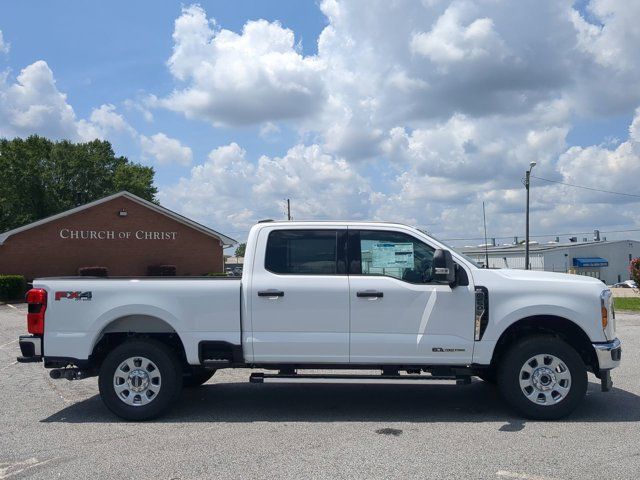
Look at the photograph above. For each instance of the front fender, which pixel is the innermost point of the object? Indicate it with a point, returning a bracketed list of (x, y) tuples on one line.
[(502, 323), (504, 316)]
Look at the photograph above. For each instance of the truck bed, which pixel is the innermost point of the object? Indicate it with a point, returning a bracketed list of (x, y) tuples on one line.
[(81, 309)]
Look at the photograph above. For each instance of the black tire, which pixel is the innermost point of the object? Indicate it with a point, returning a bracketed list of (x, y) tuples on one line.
[(169, 384), (514, 361), (194, 377)]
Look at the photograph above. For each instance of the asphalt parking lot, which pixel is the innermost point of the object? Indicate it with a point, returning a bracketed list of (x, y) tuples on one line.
[(230, 428)]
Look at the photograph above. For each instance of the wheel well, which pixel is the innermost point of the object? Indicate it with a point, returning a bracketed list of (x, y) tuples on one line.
[(136, 326), (560, 327)]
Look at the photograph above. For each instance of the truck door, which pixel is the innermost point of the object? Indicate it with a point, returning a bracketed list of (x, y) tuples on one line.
[(398, 315), (300, 296)]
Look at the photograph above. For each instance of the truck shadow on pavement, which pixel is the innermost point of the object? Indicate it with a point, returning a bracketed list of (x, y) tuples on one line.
[(245, 402)]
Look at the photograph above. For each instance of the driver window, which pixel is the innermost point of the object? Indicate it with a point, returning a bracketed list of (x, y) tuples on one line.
[(393, 254)]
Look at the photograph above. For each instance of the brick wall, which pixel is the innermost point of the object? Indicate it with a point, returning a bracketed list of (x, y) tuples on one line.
[(125, 245)]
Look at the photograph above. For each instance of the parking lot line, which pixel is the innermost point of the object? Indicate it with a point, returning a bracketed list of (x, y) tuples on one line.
[(9, 343), (10, 365), (8, 470), (522, 476)]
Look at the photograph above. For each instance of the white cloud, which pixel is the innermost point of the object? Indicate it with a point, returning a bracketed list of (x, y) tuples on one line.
[(606, 78), (432, 106), (165, 150), (103, 122), (232, 191), (140, 107), (235, 79), (413, 111), (451, 41), (409, 63), (4, 46), (613, 38), (606, 168), (34, 105), (269, 131)]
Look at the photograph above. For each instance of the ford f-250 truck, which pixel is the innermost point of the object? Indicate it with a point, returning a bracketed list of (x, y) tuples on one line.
[(335, 296)]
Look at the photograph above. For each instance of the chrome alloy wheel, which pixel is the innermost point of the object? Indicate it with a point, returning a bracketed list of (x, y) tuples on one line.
[(137, 381), (545, 379)]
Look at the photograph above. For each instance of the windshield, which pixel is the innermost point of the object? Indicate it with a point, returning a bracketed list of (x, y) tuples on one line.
[(454, 249)]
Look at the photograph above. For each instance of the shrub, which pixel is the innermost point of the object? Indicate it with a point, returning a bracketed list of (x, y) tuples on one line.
[(216, 274), (168, 270), (12, 287), (634, 269), (93, 271), (161, 270)]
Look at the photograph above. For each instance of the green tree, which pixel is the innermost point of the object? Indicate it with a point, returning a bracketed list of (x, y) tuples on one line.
[(240, 250), (39, 177)]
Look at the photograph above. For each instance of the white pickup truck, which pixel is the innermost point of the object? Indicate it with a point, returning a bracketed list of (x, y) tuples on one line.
[(338, 296)]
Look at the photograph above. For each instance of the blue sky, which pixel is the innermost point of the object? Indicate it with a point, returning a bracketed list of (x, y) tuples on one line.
[(114, 51), (408, 111)]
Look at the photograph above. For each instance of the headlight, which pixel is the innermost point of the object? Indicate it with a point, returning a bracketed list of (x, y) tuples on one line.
[(605, 306), (482, 312)]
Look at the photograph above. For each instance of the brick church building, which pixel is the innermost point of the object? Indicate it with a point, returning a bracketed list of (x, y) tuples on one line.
[(126, 234)]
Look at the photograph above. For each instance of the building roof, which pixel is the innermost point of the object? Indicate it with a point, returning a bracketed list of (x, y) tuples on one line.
[(226, 241), (537, 247)]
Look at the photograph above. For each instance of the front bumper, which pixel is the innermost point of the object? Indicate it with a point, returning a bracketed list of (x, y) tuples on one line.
[(609, 354), (31, 349)]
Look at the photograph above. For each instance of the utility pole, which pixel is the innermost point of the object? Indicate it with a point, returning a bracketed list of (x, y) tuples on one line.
[(486, 246), (527, 185), (288, 209)]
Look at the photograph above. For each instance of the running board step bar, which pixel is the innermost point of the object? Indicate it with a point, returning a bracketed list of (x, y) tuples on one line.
[(342, 378), (213, 363)]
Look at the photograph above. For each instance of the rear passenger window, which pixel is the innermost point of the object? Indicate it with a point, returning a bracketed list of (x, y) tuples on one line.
[(308, 252)]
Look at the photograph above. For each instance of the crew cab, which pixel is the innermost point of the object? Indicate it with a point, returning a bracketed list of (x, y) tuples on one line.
[(352, 297)]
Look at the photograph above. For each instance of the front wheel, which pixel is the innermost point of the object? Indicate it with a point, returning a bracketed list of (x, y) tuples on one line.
[(543, 378), (140, 379)]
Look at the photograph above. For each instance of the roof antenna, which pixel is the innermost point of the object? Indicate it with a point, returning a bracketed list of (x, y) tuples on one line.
[(486, 245)]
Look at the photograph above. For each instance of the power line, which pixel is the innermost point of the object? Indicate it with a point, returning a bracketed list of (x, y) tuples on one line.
[(587, 188), (545, 235)]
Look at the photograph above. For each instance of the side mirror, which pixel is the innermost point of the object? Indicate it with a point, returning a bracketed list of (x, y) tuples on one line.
[(444, 268)]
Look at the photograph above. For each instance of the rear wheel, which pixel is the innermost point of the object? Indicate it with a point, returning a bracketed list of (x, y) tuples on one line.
[(195, 376), (140, 379), (543, 378)]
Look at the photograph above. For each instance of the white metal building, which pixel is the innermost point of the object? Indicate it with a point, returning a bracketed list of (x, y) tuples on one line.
[(606, 260)]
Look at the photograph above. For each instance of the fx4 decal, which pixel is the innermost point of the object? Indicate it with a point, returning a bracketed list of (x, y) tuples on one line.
[(84, 296)]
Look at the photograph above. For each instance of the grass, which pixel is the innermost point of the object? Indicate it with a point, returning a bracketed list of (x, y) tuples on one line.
[(627, 303)]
